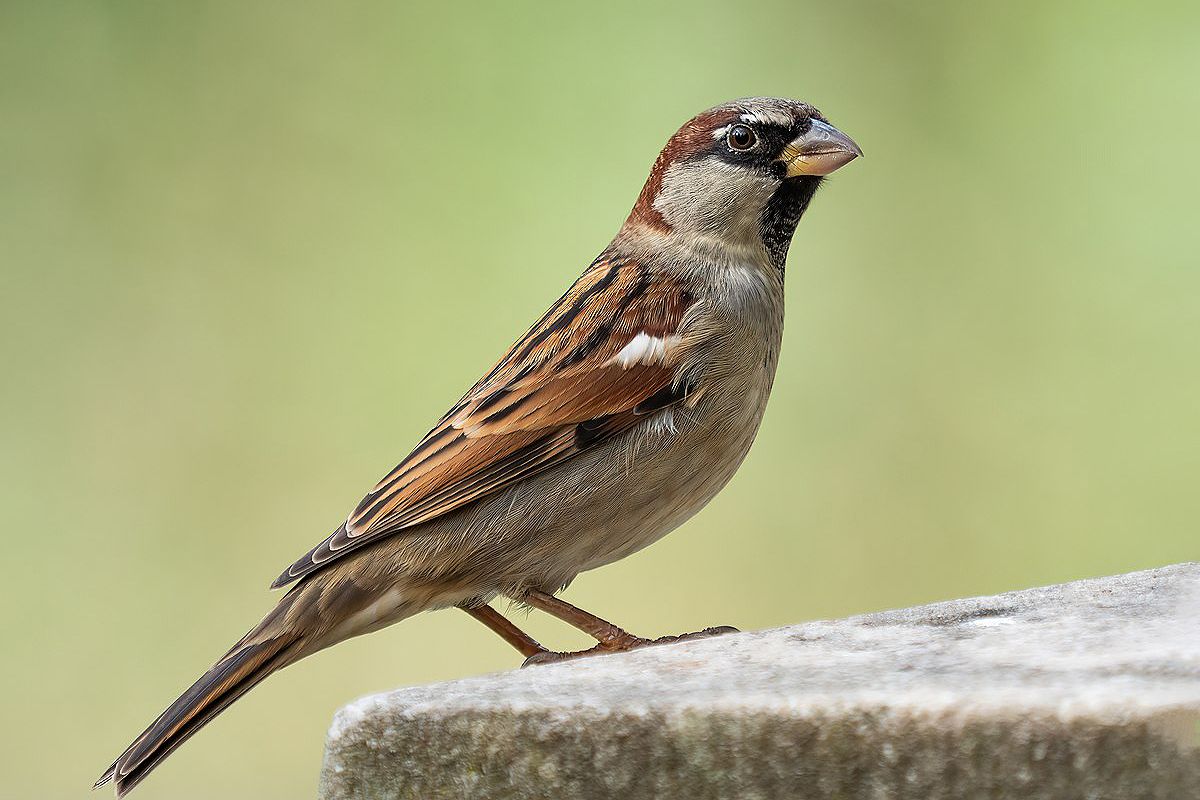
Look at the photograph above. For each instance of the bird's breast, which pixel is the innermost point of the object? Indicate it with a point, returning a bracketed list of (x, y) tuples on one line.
[(741, 316)]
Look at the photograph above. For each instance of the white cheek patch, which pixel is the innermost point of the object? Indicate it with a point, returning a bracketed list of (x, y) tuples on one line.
[(712, 196), (644, 349)]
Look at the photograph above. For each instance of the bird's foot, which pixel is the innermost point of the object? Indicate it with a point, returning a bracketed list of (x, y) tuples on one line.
[(618, 644), (622, 644)]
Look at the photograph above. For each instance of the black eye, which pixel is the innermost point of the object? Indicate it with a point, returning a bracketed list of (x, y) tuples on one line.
[(740, 138)]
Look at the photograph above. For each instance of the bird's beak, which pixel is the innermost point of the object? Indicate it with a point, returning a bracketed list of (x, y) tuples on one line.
[(819, 151)]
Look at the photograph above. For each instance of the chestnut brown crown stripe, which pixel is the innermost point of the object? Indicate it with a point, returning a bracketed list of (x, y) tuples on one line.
[(692, 139)]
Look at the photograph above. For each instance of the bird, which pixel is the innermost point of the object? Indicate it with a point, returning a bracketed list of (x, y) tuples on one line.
[(615, 418)]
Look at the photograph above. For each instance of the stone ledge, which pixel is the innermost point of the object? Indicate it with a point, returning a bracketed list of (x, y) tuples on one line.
[(1083, 690)]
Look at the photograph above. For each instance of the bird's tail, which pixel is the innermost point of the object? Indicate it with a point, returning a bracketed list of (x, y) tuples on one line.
[(271, 645)]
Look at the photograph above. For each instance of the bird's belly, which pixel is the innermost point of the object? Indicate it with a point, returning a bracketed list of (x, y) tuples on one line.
[(623, 496), (664, 489)]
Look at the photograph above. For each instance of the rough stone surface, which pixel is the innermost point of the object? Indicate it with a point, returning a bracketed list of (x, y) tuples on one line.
[(1084, 690)]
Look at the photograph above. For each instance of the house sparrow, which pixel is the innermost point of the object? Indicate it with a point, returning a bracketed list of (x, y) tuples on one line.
[(614, 419)]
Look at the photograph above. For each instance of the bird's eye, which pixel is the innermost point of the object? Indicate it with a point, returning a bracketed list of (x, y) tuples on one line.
[(740, 138)]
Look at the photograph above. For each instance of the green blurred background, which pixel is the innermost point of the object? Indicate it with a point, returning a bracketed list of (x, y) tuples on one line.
[(251, 251)]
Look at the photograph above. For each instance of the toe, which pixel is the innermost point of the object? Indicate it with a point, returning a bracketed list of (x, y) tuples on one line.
[(545, 657), (717, 631)]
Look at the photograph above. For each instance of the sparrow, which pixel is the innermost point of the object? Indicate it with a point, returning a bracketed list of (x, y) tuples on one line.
[(623, 410)]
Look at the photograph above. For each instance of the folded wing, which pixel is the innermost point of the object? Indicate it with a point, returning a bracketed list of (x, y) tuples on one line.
[(607, 353)]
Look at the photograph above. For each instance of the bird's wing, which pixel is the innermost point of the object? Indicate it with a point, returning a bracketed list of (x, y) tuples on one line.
[(607, 353)]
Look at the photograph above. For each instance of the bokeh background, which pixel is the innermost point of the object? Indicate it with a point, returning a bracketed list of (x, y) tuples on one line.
[(249, 253)]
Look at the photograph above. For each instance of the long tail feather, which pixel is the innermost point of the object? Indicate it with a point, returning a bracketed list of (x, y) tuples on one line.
[(251, 660)]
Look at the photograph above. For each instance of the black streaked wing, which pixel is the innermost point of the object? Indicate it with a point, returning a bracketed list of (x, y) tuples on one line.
[(560, 390)]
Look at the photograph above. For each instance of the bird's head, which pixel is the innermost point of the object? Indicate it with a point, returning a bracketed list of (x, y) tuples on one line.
[(740, 175)]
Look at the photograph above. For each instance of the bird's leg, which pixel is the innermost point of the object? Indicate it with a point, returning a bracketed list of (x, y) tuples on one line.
[(611, 638), (608, 635), (522, 641)]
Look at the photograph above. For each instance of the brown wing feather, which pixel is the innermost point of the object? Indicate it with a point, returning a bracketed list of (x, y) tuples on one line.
[(557, 392)]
